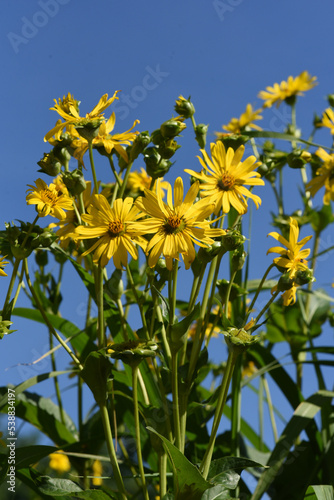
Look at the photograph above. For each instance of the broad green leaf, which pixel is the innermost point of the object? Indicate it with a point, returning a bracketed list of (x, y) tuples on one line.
[(44, 415), (321, 218), (30, 382), (222, 470), (57, 486), (218, 492), (302, 417), (28, 455), (264, 359), (319, 492), (190, 483), (179, 330), (24, 475), (95, 373), (80, 341)]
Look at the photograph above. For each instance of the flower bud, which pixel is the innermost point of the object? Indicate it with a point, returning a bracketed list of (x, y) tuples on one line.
[(317, 120), (239, 340), (155, 165), (41, 258), (298, 158), (233, 141), (156, 137), (49, 164), (89, 129), (330, 99), (74, 181), (167, 149), (206, 254), (184, 107), (304, 277), (238, 259), (285, 283), (200, 134), (232, 240), (172, 128), (132, 352), (141, 141), (4, 324)]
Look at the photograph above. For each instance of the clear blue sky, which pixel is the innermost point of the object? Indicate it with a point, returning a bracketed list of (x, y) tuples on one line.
[(222, 53)]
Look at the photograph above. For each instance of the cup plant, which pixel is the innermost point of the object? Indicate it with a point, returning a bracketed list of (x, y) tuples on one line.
[(179, 257)]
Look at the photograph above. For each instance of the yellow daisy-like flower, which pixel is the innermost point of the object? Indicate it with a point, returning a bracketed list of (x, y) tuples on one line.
[(177, 226), (327, 120), (97, 470), (3, 263), (324, 177), (225, 178), (139, 181), (116, 228), (292, 257), (104, 139), (285, 90), (69, 112), (59, 462), (50, 200), (237, 125)]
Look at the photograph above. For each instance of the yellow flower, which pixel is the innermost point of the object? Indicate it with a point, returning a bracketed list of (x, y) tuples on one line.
[(324, 176), (177, 226), (327, 120), (237, 125), (116, 228), (97, 470), (69, 112), (285, 90), (50, 200), (104, 139), (59, 462), (67, 225), (226, 176), (2, 265), (139, 181), (292, 257)]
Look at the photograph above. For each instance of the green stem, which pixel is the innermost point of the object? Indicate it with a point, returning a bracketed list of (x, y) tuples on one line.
[(125, 180), (263, 310), (258, 291), (123, 320), (137, 429), (270, 408), (100, 306), (176, 407), (163, 473), (138, 301), (55, 380), (111, 450), (91, 159), (205, 465), (45, 318)]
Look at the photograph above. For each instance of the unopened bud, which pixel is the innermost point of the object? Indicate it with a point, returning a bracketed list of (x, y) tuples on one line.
[(304, 277), (74, 181), (184, 107), (232, 240), (141, 141), (49, 164), (200, 134), (238, 259), (172, 128)]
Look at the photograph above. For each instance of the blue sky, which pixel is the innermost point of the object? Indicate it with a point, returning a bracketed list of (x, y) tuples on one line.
[(222, 53)]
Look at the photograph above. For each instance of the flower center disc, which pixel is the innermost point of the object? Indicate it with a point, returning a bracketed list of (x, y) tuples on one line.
[(115, 227), (226, 182), (172, 224), (49, 197)]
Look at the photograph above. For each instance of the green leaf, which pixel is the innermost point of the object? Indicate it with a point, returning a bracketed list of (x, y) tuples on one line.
[(44, 415), (279, 135), (57, 486), (179, 330), (319, 492), (95, 373), (302, 417), (28, 455), (190, 483), (80, 341), (216, 493), (320, 219), (30, 382), (222, 470)]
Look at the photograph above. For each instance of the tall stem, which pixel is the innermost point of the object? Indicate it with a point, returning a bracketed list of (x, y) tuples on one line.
[(111, 450), (137, 429), (205, 465)]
